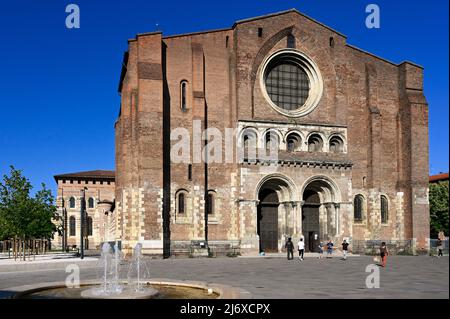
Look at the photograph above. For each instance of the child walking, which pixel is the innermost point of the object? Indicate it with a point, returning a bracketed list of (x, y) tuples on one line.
[(320, 250)]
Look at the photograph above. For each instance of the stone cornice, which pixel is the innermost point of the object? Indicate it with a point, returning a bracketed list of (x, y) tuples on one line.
[(301, 163)]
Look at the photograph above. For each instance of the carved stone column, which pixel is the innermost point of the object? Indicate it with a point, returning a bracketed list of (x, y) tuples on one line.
[(300, 217), (330, 220), (295, 208), (287, 218), (323, 222), (338, 221), (255, 216)]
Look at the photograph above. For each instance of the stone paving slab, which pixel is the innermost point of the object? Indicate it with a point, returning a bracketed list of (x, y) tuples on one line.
[(277, 278)]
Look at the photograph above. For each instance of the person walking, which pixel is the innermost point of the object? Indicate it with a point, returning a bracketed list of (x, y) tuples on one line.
[(320, 250), (384, 252), (289, 248), (345, 249), (330, 249), (301, 248), (440, 247)]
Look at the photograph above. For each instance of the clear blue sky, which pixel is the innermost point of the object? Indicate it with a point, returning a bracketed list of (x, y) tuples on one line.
[(58, 86)]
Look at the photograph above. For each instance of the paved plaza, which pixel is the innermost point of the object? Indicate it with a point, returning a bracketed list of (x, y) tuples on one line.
[(265, 277)]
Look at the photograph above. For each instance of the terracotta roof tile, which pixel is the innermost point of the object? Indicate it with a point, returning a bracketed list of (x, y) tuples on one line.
[(97, 174), (439, 177)]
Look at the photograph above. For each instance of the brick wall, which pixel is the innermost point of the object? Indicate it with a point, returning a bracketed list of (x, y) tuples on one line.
[(380, 105)]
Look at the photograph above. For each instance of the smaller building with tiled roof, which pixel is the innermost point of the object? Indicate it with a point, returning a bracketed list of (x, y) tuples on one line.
[(95, 191), (86, 175), (438, 177)]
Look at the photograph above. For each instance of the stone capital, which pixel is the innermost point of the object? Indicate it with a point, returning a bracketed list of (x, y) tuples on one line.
[(296, 203), (248, 201), (328, 205)]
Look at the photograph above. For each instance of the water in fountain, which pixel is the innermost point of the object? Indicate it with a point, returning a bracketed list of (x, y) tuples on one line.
[(106, 258), (138, 273), (110, 279), (106, 275), (111, 287), (116, 286)]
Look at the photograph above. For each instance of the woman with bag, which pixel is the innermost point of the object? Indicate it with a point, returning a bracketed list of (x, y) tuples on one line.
[(383, 254)]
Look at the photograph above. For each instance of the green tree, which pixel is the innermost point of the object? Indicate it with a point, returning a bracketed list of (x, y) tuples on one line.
[(21, 215), (40, 218), (439, 196)]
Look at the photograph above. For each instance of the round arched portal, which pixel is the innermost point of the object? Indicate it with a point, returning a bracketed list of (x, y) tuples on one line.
[(320, 212), (275, 197)]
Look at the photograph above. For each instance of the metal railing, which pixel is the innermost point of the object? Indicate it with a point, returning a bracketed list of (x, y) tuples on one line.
[(21, 249), (372, 247)]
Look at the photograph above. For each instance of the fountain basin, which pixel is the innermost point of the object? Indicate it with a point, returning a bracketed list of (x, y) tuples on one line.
[(128, 293), (165, 288)]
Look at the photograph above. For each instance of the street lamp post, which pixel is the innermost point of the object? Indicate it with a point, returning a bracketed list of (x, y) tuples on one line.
[(83, 202), (63, 226), (65, 229), (63, 222)]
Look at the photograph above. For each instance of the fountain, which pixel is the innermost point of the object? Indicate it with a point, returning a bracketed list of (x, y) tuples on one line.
[(111, 286), (110, 283)]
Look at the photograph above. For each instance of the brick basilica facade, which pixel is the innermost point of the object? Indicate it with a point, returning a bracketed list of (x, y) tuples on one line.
[(350, 130)]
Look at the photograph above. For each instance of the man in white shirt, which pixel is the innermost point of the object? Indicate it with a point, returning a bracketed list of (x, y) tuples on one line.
[(301, 248)]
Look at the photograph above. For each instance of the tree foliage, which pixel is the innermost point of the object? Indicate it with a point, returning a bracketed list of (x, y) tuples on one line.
[(22, 215), (439, 196)]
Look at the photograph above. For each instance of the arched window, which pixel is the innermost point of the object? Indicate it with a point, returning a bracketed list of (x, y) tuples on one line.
[(189, 172), (181, 203), (358, 206), (260, 32), (183, 95), (291, 41), (246, 141), (250, 144), (210, 203), (336, 144), (315, 143), (72, 202), (271, 141), (89, 226), (249, 139), (91, 202), (332, 42), (293, 142), (72, 224), (384, 209)]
